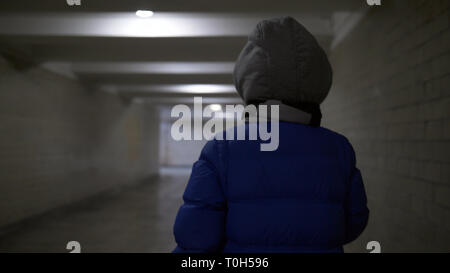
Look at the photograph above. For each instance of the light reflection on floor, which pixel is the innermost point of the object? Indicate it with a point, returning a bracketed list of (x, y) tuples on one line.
[(138, 219)]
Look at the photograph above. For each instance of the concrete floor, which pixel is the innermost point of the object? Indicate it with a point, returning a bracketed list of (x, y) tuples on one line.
[(137, 219)]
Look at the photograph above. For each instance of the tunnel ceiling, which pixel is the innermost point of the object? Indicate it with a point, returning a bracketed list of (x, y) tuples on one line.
[(247, 6), (183, 49)]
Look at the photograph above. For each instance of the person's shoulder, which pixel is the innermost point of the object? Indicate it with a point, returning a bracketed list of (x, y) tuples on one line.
[(335, 135), (316, 131), (330, 132)]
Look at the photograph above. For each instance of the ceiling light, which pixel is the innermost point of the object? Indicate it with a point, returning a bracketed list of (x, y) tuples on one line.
[(203, 88), (175, 88), (144, 13), (215, 107)]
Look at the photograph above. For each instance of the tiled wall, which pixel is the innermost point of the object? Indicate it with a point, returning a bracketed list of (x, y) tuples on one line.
[(60, 142), (391, 98)]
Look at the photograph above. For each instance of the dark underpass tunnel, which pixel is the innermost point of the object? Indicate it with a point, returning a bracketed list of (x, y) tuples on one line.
[(101, 123)]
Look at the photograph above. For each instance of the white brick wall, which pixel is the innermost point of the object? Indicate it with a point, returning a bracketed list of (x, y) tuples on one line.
[(60, 143), (391, 98)]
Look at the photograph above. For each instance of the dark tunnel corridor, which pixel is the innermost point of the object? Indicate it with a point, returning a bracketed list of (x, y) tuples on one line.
[(87, 95)]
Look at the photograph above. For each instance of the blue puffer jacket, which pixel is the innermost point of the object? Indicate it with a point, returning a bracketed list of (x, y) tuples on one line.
[(307, 196)]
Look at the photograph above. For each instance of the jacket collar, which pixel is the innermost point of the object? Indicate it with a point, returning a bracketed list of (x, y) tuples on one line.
[(286, 113)]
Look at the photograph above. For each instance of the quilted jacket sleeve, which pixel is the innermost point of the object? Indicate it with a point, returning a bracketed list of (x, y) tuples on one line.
[(200, 222), (357, 213)]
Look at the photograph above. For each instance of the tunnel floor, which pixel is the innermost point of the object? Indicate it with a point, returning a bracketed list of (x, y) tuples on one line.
[(136, 219)]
